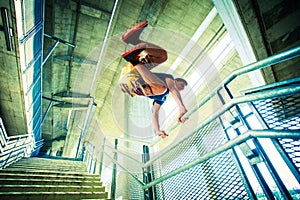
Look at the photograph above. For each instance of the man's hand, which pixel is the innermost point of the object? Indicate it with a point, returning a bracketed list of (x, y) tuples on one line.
[(162, 134), (182, 112)]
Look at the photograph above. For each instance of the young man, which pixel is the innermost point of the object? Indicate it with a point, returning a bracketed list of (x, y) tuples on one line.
[(137, 79)]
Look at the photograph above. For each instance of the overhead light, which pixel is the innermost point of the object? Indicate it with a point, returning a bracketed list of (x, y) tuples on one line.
[(6, 28)]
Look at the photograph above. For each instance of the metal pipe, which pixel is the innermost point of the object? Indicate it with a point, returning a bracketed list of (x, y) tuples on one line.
[(126, 170), (272, 60), (101, 157), (82, 134), (239, 165), (262, 30), (287, 160), (6, 29), (230, 144), (124, 154), (11, 151), (147, 175), (47, 111), (262, 182), (72, 49), (281, 186), (50, 52), (60, 40), (103, 46), (95, 75), (114, 174), (141, 142)]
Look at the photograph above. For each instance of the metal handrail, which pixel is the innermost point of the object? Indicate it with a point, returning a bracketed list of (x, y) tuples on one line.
[(125, 169), (4, 151), (13, 151), (228, 145), (124, 154), (238, 100)]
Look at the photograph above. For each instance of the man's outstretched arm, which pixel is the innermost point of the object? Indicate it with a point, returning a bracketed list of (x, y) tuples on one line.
[(155, 120), (176, 95), (155, 117)]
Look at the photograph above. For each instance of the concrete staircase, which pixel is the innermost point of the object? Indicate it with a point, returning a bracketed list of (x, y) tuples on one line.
[(49, 179)]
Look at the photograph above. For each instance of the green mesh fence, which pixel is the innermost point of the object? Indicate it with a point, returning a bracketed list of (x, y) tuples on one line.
[(130, 175), (283, 113), (216, 178)]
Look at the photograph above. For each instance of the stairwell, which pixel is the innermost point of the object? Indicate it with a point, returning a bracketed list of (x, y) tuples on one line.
[(49, 179)]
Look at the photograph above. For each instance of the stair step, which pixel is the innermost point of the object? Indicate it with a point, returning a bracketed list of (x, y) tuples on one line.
[(52, 195), (46, 160), (47, 165), (7, 181), (46, 172), (50, 188), (48, 177), (49, 168), (53, 164)]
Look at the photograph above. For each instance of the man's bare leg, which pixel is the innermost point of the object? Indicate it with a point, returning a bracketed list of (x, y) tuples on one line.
[(156, 54), (157, 85)]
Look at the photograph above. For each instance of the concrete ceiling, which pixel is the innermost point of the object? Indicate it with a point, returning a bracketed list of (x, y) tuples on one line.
[(83, 81)]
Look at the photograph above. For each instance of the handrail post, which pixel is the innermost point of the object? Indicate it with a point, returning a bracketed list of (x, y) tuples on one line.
[(147, 177), (114, 173), (11, 151), (262, 153), (101, 157)]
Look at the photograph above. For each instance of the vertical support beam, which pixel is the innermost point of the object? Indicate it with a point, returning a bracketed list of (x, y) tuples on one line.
[(114, 173), (287, 159), (101, 157), (82, 154), (6, 29), (234, 26), (254, 168), (147, 177), (239, 165)]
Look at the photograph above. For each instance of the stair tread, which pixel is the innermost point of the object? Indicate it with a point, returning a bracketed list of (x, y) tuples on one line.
[(49, 179), (24, 171), (53, 192), (48, 176), (55, 186), (46, 180), (40, 171)]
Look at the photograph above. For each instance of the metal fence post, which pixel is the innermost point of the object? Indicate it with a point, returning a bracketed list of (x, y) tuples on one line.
[(101, 157), (147, 177), (114, 173)]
